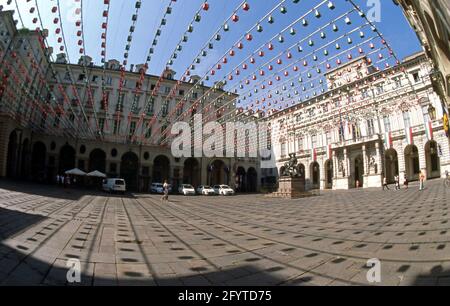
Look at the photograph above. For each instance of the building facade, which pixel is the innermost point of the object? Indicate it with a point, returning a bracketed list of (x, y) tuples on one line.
[(56, 116), (431, 21), (369, 125)]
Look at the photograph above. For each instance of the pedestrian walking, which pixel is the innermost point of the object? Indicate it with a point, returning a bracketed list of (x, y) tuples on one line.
[(57, 179), (405, 181), (385, 184), (421, 181), (165, 197), (397, 182)]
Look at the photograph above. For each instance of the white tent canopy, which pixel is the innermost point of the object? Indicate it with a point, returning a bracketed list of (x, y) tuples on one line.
[(76, 171), (96, 174)]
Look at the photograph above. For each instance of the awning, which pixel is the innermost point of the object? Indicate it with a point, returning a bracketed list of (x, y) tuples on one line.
[(76, 171), (96, 174)]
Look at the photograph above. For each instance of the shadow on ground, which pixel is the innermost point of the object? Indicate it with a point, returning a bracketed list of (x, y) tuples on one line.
[(19, 267), (437, 276), (54, 191)]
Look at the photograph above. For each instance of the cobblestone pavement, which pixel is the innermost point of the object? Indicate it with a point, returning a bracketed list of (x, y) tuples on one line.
[(241, 240)]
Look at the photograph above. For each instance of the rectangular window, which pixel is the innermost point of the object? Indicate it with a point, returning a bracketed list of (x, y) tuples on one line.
[(342, 132), (150, 106), (120, 101), (364, 93), (329, 138), (387, 123), (283, 149), (132, 127), (314, 141), (300, 144), (379, 89), (116, 128), (166, 90), (148, 132), (136, 101), (165, 109), (416, 77), (370, 127), (426, 115), (108, 80), (407, 120), (101, 124)]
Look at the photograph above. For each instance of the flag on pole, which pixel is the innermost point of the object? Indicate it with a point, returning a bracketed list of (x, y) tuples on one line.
[(388, 140), (409, 135), (314, 154), (329, 152), (429, 130)]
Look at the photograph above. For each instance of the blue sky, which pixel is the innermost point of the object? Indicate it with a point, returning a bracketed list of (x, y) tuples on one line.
[(393, 25)]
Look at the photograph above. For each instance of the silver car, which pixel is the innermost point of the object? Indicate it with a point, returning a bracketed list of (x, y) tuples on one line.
[(205, 190)]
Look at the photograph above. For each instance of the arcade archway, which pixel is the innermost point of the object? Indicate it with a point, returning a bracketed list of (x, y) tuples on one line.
[(191, 172), (12, 160), (38, 164), (432, 160), (359, 171), (161, 169), (391, 159), (97, 161), (241, 180), (252, 180), (328, 174), (412, 164), (66, 158), (217, 173), (315, 175), (129, 170), (25, 160)]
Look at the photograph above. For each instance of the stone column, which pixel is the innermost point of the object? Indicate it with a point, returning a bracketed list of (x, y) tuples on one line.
[(335, 166), (308, 175), (378, 159), (346, 164), (322, 176), (422, 157), (365, 160)]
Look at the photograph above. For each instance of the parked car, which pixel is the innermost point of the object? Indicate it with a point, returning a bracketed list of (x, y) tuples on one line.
[(186, 189), (159, 188), (156, 188), (205, 190), (114, 185), (224, 190)]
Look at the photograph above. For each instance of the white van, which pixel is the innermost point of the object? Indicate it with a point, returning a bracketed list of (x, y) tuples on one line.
[(114, 185)]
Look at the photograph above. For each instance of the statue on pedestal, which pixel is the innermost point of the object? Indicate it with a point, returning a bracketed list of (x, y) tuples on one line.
[(290, 167)]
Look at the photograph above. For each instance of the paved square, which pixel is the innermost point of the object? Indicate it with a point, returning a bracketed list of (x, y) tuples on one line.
[(241, 240)]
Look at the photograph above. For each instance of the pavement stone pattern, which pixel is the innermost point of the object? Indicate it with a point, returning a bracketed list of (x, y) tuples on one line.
[(244, 240)]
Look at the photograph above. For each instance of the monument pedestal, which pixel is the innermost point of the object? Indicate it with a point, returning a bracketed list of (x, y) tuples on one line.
[(292, 188)]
